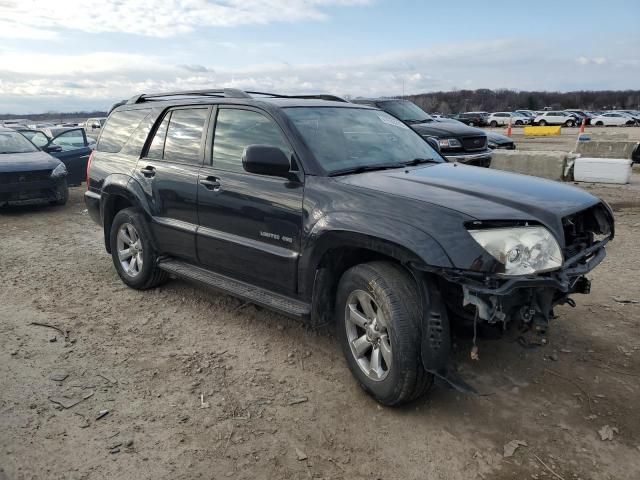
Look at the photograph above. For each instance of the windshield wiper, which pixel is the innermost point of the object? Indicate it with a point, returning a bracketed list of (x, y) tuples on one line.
[(365, 168), (418, 161)]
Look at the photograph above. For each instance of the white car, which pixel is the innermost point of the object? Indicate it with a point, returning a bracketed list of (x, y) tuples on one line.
[(611, 119), (555, 117), (503, 118)]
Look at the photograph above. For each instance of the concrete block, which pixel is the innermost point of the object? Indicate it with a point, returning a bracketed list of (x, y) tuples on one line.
[(546, 164), (604, 134), (606, 149), (542, 131)]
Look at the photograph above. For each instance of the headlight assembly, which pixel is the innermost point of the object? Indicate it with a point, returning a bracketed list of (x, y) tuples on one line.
[(59, 171), (522, 250)]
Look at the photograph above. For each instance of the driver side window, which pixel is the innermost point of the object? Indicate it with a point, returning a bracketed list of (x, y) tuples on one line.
[(70, 140), (237, 129)]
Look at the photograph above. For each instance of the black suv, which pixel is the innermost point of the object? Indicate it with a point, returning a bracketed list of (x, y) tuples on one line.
[(336, 212), (473, 119), (458, 143)]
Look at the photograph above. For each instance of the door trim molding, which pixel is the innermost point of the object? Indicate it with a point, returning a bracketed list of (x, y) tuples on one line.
[(248, 242)]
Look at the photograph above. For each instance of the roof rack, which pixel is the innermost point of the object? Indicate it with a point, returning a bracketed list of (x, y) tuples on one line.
[(221, 93), (225, 93), (322, 96)]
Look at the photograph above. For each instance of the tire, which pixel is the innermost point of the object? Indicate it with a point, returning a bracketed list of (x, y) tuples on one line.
[(542, 123), (599, 124), (65, 196), (493, 124), (389, 289), (518, 122), (472, 124), (569, 123), (143, 273)]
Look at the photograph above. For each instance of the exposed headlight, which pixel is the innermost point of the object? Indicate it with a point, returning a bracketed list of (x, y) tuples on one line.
[(449, 143), (59, 171), (522, 250)]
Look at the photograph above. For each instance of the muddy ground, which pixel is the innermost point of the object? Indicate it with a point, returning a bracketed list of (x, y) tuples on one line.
[(199, 385)]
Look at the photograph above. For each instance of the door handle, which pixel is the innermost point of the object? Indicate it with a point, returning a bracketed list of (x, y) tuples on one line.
[(148, 171), (211, 183)]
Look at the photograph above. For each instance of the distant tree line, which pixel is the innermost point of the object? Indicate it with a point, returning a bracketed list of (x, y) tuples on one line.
[(53, 116), (509, 100)]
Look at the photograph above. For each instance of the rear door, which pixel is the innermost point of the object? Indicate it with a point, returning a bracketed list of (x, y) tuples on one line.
[(250, 225), (74, 153), (168, 172)]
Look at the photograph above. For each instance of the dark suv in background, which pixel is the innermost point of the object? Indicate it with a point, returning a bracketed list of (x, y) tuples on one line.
[(473, 119), (338, 213), (458, 143)]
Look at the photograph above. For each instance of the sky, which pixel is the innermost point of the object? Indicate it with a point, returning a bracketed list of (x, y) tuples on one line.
[(70, 55)]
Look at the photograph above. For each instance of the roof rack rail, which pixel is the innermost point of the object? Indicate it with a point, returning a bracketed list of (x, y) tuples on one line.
[(322, 96), (222, 92)]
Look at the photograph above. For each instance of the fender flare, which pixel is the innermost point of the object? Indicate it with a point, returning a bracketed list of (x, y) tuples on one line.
[(384, 235)]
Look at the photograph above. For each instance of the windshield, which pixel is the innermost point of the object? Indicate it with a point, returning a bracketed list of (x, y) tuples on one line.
[(14, 142), (348, 138), (405, 110)]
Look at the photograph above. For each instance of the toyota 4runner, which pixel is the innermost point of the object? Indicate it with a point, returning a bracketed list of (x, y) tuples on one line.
[(335, 212)]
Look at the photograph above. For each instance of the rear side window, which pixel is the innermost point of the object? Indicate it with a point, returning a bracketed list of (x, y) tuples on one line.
[(119, 127), (184, 135)]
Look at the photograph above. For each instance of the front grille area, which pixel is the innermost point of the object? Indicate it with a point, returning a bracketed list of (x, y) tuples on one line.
[(470, 144), (24, 177), (584, 228), (20, 186)]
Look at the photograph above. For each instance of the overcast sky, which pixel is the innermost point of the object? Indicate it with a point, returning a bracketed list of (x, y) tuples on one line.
[(66, 55)]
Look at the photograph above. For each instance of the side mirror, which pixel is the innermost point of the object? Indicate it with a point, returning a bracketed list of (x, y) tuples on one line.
[(50, 148), (266, 160), (433, 143)]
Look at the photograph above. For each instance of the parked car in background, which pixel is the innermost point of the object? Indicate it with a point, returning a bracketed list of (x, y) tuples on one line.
[(456, 141), (498, 119), (632, 113), (582, 115), (555, 117), (496, 140), (70, 145), (613, 119), (473, 119), (27, 174), (527, 113), (93, 124)]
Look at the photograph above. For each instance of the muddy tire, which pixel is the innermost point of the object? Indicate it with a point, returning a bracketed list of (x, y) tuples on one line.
[(132, 251), (377, 319)]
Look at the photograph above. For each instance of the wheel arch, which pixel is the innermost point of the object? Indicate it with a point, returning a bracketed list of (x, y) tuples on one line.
[(120, 192)]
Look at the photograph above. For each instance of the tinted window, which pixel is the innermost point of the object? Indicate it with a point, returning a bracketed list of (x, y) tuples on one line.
[(156, 149), (236, 130), (184, 135), (14, 142), (405, 110), (345, 138), (119, 127)]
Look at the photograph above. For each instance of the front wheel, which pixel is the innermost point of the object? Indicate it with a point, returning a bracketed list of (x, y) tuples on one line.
[(599, 124), (542, 123), (132, 251), (569, 123), (493, 124), (378, 315)]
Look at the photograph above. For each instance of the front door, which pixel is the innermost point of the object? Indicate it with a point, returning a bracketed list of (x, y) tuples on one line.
[(168, 172), (250, 225)]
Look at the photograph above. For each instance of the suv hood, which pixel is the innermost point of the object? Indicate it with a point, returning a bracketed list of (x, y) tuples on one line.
[(444, 129), (27, 162), (481, 193)]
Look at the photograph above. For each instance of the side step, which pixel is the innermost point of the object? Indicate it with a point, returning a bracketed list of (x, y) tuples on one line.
[(250, 293)]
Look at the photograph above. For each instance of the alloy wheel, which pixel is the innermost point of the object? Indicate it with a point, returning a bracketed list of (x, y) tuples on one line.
[(129, 247), (368, 335)]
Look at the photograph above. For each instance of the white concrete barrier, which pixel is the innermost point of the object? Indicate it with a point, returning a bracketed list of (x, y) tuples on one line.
[(606, 148), (539, 163)]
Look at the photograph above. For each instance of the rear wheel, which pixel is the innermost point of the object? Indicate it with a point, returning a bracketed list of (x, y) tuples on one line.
[(378, 314), (518, 122), (599, 124), (493, 124), (569, 123), (132, 252), (542, 123)]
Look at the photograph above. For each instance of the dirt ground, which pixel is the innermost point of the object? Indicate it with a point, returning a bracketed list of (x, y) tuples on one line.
[(198, 385)]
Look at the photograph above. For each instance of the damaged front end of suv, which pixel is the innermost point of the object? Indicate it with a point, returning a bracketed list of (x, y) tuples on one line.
[(528, 271)]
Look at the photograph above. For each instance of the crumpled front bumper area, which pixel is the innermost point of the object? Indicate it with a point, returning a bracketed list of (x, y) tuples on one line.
[(529, 299), (30, 188)]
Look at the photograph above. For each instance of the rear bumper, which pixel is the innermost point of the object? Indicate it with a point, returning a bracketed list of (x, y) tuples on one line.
[(480, 159), (92, 201), (33, 193)]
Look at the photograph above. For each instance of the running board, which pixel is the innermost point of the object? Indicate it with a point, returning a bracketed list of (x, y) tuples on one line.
[(260, 296)]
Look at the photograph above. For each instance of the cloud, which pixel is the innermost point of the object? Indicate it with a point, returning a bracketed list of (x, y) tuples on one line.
[(591, 61), (154, 18), (36, 83)]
